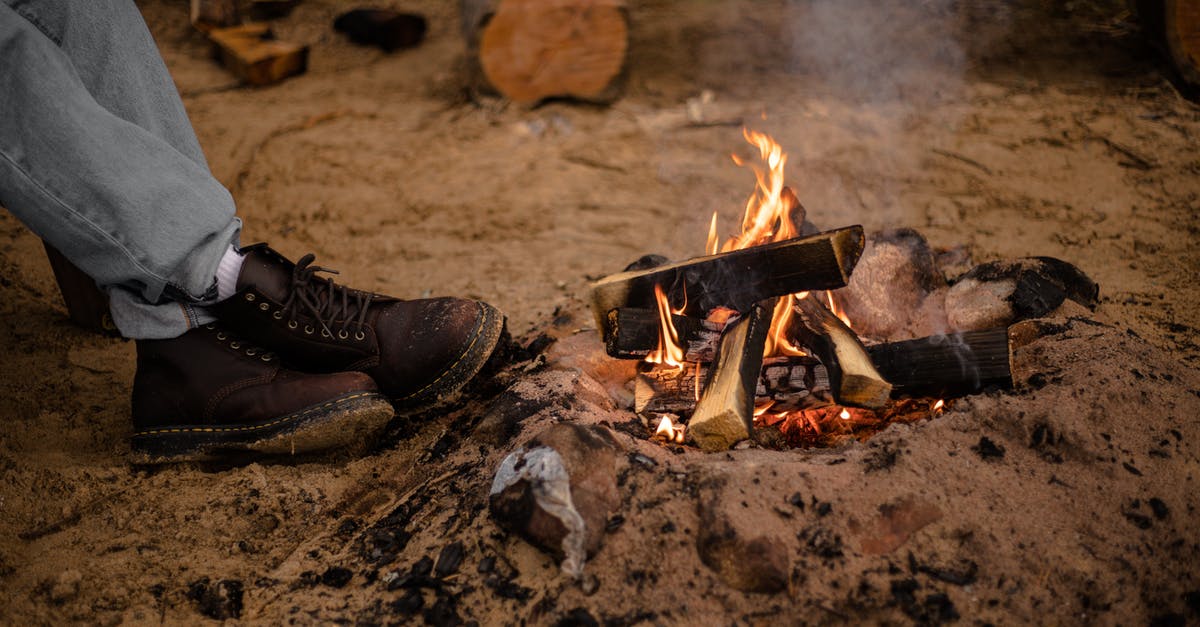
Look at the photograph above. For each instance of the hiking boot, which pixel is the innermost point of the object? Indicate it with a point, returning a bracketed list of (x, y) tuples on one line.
[(206, 394), (420, 352)]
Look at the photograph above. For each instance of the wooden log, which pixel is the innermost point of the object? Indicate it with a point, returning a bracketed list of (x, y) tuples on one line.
[(530, 50), (945, 365), (789, 383), (725, 412), (252, 53), (1173, 26), (854, 379), (633, 333), (205, 15), (736, 279)]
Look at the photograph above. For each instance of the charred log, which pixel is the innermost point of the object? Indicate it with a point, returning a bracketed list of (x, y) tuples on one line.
[(736, 279), (853, 378), (945, 365), (786, 383)]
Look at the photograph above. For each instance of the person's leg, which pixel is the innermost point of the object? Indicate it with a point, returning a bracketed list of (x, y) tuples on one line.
[(129, 201)]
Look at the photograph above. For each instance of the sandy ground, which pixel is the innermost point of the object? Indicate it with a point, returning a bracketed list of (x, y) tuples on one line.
[(1010, 128)]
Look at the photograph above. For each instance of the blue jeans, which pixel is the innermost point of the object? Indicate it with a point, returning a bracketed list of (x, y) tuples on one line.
[(98, 158)]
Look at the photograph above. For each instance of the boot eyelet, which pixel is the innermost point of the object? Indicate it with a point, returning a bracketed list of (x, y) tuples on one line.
[(292, 324), (235, 345), (221, 335), (264, 306), (251, 351), (210, 327), (266, 357), (250, 297), (325, 333), (308, 330), (343, 335), (278, 315), (359, 335)]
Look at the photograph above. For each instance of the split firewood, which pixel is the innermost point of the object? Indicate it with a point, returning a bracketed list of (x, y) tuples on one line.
[(252, 53), (1173, 26), (945, 365), (205, 15), (854, 379), (633, 333), (736, 279), (786, 383), (530, 50), (86, 304), (725, 412)]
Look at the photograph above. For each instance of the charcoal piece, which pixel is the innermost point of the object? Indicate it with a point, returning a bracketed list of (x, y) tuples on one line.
[(410, 602), (987, 449), (385, 29), (449, 560), (336, 576), (219, 601), (578, 617), (1159, 508)]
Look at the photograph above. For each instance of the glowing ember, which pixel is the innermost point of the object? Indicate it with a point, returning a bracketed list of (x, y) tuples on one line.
[(845, 415), (937, 407), (668, 353)]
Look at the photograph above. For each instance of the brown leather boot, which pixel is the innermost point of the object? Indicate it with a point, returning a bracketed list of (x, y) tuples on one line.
[(418, 351), (206, 394)]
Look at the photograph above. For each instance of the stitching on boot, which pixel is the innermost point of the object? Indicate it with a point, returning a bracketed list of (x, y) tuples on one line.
[(278, 421)]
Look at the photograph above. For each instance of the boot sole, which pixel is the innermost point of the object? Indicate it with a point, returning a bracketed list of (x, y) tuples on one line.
[(347, 420), (446, 386)]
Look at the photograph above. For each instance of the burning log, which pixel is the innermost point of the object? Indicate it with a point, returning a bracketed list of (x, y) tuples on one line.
[(853, 378), (736, 279), (945, 365), (529, 50), (787, 383), (725, 412), (633, 333)]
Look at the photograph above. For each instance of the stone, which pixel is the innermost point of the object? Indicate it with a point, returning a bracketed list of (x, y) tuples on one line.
[(558, 490), (1000, 293), (894, 276)]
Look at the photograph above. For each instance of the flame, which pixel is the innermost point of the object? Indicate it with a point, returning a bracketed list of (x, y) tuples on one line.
[(837, 310), (845, 415), (937, 407), (668, 353), (668, 431), (768, 216)]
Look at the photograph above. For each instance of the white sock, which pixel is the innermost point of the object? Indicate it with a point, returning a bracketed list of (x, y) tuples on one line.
[(227, 273)]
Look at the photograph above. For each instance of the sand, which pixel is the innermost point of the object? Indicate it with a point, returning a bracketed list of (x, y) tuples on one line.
[(1007, 128)]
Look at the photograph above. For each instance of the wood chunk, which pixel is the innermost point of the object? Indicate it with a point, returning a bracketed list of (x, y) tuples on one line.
[(736, 279), (205, 15), (387, 29), (633, 333), (945, 365), (530, 50), (853, 378), (252, 54), (725, 412)]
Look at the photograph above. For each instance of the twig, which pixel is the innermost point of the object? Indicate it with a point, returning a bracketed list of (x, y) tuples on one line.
[(966, 160)]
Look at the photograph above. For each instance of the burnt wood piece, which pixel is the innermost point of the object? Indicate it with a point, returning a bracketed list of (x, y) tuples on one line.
[(736, 279), (530, 50), (384, 28), (789, 383), (633, 334), (945, 365), (854, 379), (725, 412), (205, 15), (252, 53)]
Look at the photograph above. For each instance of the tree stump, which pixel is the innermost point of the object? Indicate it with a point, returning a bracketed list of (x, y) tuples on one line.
[(530, 50)]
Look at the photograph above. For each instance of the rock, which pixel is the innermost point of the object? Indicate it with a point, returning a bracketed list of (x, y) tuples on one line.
[(66, 585), (999, 293), (218, 601), (558, 491), (744, 560), (894, 276), (897, 521)]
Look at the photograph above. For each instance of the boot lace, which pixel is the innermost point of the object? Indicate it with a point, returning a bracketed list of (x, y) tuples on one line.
[(326, 301)]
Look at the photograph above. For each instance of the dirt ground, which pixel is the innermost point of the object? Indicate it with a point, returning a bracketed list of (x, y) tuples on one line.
[(1009, 127)]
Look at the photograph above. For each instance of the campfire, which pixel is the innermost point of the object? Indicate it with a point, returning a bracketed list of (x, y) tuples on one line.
[(752, 336)]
